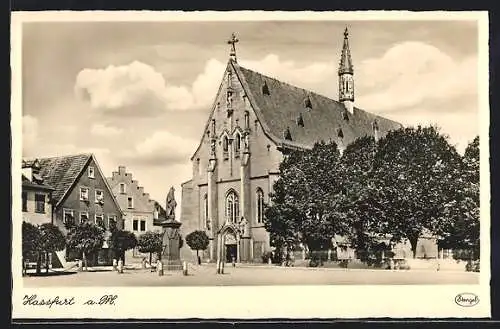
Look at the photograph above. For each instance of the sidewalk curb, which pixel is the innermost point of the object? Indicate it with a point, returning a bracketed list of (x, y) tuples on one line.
[(346, 269)]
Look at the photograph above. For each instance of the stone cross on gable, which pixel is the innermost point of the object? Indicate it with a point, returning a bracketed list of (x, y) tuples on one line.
[(232, 41)]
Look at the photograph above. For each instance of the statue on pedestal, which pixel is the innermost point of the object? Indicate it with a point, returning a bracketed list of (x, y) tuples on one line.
[(171, 204), (243, 227)]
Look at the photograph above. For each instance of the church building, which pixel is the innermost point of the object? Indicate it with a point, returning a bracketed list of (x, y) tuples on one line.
[(253, 120)]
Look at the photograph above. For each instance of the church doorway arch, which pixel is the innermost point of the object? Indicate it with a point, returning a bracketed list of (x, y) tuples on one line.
[(230, 247)]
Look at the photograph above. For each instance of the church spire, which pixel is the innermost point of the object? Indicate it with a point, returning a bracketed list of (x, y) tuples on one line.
[(346, 76), (232, 41), (345, 58)]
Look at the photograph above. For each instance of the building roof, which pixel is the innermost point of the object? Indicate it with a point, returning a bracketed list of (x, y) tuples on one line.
[(281, 107), (61, 172), (26, 183)]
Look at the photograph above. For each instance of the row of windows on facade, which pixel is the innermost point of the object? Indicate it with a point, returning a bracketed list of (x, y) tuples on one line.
[(40, 200), (99, 219), (99, 196), (139, 225), (232, 207)]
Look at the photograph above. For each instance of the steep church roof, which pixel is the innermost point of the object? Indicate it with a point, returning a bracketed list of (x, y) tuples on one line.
[(297, 117)]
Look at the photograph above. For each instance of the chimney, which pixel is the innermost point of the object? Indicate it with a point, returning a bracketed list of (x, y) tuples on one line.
[(121, 170), (28, 173)]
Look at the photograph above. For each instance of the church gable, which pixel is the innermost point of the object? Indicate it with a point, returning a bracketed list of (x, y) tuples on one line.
[(231, 116)]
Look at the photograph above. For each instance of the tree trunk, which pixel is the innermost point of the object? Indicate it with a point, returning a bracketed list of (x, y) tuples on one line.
[(150, 258), (84, 256), (413, 243), (38, 263), (46, 262)]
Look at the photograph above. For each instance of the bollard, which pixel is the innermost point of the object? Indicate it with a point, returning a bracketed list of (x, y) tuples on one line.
[(218, 267), (120, 266), (80, 265), (221, 267), (115, 264), (159, 268), (184, 268)]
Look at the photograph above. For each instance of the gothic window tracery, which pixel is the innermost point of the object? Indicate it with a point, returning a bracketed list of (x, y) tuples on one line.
[(232, 207)]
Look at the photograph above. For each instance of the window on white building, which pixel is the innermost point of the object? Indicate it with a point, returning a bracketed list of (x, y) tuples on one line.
[(135, 225), (40, 203), (143, 225), (111, 221), (130, 202), (123, 188), (25, 201), (232, 207)]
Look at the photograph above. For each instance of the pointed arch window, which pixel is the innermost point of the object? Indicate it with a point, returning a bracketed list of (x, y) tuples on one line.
[(225, 146), (232, 207), (205, 212), (237, 144), (260, 205)]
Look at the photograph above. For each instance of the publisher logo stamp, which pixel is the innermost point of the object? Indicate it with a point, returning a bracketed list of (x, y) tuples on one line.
[(466, 299)]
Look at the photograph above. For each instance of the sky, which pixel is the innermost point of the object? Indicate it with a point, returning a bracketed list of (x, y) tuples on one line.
[(138, 94)]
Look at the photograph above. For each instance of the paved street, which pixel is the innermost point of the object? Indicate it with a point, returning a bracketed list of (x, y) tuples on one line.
[(253, 275)]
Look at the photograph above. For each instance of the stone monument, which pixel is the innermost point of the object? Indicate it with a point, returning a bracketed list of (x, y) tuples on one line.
[(170, 255)]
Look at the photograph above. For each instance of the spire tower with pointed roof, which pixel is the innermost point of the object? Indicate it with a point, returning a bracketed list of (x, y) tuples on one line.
[(346, 75)]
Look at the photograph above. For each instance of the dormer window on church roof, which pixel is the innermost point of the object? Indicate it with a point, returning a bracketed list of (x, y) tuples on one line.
[(265, 89), (287, 134), (300, 120), (307, 102)]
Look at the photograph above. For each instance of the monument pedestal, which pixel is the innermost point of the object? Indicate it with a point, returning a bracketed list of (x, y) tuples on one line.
[(170, 255)]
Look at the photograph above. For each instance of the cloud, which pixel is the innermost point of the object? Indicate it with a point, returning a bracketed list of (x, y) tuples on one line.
[(137, 89), (30, 132), (412, 73), (99, 129), (161, 148)]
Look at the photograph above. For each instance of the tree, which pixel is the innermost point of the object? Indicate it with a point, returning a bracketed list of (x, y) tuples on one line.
[(31, 242), (463, 227), (414, 175), (197, 240), (307, 201), (150, 242), (52, 240), (360, 205), (121, 241), (85, 238)]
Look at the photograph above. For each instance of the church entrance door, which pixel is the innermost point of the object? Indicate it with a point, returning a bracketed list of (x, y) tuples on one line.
[(231, 251), (230, 248)]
